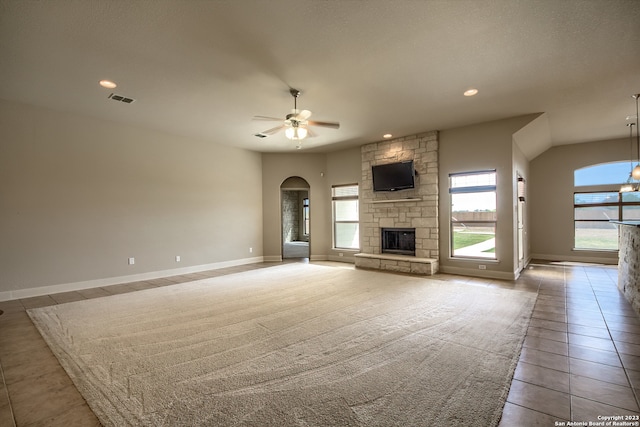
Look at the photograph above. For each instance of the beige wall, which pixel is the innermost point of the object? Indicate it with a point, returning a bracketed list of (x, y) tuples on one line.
[(343, 167), (312, 168), (482, 147), (551, 190), (521, 168), (79, 196), (321, 171)]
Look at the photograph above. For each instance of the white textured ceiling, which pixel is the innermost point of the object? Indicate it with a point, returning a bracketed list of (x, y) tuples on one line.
[(205, 68)]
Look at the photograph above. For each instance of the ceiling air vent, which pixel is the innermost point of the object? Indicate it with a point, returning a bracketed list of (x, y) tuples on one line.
[(121, 98), (260, 135)]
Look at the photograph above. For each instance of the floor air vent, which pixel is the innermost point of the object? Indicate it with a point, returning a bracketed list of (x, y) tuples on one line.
[(121, 98)]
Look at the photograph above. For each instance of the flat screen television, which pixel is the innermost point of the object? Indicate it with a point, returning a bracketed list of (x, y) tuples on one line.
[(393, 176)]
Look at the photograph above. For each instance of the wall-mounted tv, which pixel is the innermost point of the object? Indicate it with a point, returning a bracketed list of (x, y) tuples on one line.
[(393, 176)]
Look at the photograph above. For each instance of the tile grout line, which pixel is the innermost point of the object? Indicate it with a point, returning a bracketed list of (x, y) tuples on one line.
[(624, 367), (566, 320), (6, 392)]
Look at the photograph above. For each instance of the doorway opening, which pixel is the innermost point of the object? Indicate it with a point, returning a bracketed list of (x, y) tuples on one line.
[(295, 218)]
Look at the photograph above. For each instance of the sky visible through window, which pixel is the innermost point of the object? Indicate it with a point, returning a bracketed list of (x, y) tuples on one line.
[(603, 174)]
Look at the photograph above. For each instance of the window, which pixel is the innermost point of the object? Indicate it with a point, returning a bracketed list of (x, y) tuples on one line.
[(305, 216), (346, 217), (473, 214), (593, 213)]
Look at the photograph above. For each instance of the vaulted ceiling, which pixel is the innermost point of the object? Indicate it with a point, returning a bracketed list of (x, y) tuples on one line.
[(204, 68)]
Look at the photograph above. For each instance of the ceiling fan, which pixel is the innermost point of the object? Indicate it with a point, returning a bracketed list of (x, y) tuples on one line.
[(296, 124)]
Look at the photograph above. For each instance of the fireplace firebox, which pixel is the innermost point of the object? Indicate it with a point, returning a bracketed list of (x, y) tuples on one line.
[(400, 241)]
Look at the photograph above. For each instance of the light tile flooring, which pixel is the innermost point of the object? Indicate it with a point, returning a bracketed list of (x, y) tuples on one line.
[(580, 360)]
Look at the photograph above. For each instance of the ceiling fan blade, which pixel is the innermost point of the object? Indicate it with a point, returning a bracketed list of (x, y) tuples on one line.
[(334, 125), (266, 118), (272, 130), (303, 115), (310, 133)]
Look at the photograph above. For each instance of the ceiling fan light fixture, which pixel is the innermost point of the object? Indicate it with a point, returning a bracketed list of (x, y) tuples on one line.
[(295, 133), (295, 123)]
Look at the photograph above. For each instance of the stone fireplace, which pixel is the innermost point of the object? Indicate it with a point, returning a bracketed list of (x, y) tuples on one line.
[(399, 241), (413, 209)]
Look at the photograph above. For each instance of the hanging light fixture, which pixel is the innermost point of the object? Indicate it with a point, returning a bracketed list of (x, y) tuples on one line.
[(296, 132), (635, 173), (629, 185)]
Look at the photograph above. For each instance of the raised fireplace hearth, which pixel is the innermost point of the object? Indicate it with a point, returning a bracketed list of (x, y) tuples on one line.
[(398, 241)]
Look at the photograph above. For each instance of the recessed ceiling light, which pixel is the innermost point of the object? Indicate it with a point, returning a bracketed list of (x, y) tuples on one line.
[(470, 92), (387, 135), (108, 84)]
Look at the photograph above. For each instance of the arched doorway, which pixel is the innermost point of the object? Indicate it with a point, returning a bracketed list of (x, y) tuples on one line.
[(295, 219)]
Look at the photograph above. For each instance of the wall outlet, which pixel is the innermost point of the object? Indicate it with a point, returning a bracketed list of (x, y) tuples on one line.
[(250, 250), (177, 258), (132, 261), (340, 254), (482, 267)]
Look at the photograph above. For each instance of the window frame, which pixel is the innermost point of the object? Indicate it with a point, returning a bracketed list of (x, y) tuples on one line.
[(335, 222), (620, 204), (472, 189)]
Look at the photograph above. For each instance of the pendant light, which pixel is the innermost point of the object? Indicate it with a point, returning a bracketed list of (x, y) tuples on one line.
[(635, 173), (628, 186)]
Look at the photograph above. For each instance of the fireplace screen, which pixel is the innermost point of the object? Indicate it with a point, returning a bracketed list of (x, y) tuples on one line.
[(401, 241)]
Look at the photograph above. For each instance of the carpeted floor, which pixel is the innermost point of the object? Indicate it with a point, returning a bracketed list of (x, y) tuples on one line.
[(294, 345)]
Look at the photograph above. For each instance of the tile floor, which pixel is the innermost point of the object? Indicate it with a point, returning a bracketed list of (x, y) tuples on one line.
[(580, 360)]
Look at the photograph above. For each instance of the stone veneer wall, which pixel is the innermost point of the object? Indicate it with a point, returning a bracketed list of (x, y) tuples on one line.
[(421, 214), (629, 264), (290, 216)]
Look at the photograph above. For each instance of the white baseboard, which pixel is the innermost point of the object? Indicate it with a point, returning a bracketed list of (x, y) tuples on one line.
[(350, 259), (489, 274), (278, 258), (574, 258), (96, 283)]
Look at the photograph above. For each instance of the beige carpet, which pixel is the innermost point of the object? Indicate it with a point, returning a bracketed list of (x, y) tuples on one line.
[(294, 345)]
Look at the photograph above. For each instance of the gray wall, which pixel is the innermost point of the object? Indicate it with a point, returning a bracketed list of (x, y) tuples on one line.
[(79, 196), (551, 190)]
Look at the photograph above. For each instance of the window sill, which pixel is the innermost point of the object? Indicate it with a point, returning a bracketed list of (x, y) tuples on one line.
[(606, 251), (475, 259)]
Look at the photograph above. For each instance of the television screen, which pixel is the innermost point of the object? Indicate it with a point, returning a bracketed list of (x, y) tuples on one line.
[(393, 176)]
